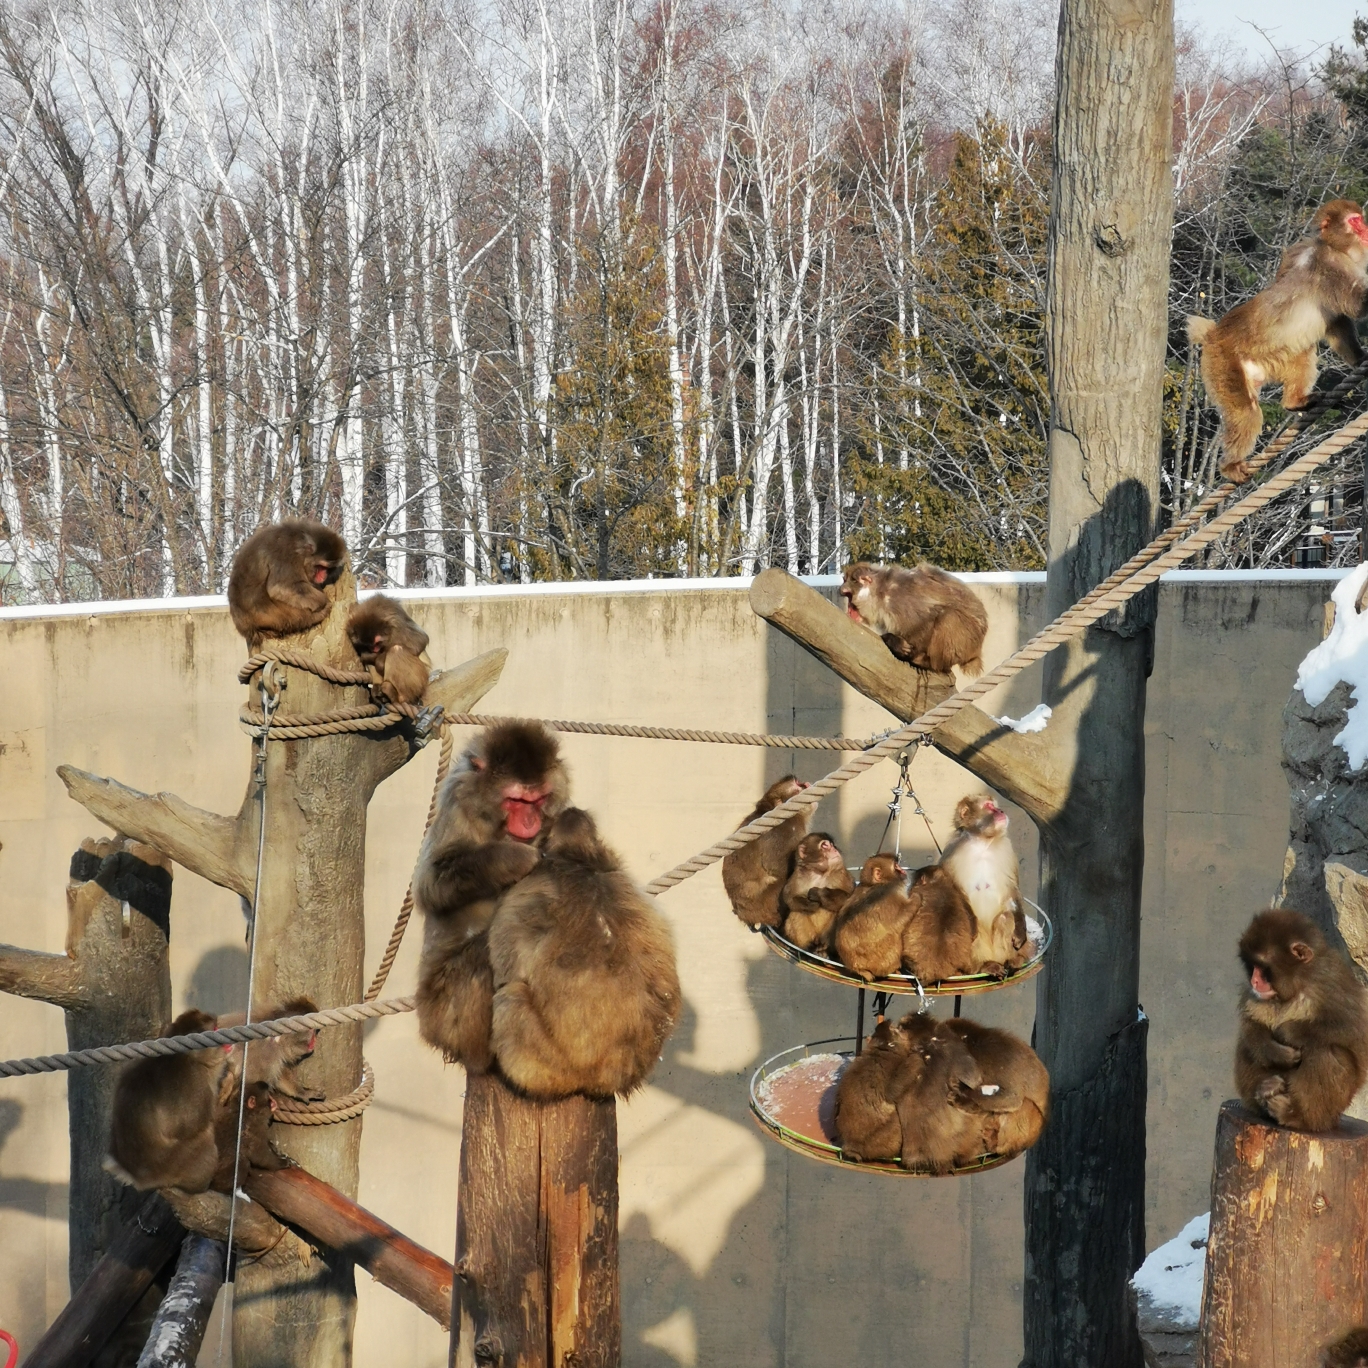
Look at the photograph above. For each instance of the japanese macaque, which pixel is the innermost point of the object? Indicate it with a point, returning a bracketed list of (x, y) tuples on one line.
[(1021, 1084), (585, 988), (492, 816), (925, 616), (1349, 1351), (258, 1111), (276, 1059), (938, 939), (1300, 1055), (867, 1124), (980, 859), (1319, 291), (815, 892), (754, 875), (162, 1127), (868, 936), (279, 573), (390, 643)]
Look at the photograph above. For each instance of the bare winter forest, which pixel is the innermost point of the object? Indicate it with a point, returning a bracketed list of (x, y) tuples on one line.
[(551, 289)]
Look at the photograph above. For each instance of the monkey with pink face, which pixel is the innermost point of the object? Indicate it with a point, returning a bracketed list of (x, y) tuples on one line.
[(980, 859), (925, 616)]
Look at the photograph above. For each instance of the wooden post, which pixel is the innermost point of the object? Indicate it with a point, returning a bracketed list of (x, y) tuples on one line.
[(178, 1328), (536, 1232), (1287, 1259), (291, 1311)]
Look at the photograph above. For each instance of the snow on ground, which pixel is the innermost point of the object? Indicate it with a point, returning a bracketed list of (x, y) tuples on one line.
[(1343, 655), (1172, 1276), (1034, 721)]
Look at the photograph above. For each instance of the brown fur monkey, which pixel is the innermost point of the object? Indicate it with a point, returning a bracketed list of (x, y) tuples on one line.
[(585, 988), (938, 939), (162, 1127), (868, 936), (1319, 291), (815, 892), (754, 875), (1300, 1055), (492, 815), (980, 859), (925, 616), (1349, 1351), (279, 573), (1022, 1085), (276, 1059), (867, 1124), (390, 643), (258, 1111)]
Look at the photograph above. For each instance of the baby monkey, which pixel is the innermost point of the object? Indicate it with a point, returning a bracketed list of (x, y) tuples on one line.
[(278, 577), (390, 643), (755, 874), (815, 892), (258, 1112), (868, 935), (1300, 1054), (867, 1124), (925, 616)]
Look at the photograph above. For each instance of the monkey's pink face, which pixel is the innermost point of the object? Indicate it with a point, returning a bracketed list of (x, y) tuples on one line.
[(1259, 984), (1356, 225), (992, 821), (522, 805), (854, 592)]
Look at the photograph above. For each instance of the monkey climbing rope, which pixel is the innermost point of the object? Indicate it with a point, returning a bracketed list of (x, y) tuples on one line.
[(1137, 574)]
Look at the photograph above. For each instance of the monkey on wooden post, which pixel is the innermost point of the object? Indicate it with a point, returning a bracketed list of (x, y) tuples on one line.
[(258, 1112), (279, 573), (867, 1124), (925, 616), (980, 859), (815, 892), (585, 988), (1302, 1049), (1349, 1351), (492, 816), (868, 935), (165, 1109), (389, 643), (1021, 1081), (1320, 289), (754, 875)]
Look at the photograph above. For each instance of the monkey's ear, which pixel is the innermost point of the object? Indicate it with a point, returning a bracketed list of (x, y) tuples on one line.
[(251, 1102), (1301, 951)]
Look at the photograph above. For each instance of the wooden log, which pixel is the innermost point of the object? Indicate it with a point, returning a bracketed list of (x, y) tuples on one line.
[(115, 1285), (415, 1273), (178, 1327), (536, 1232), (1287, 1259)]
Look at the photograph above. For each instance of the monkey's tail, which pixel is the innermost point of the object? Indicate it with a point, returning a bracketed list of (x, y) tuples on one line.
[(1198, 328)]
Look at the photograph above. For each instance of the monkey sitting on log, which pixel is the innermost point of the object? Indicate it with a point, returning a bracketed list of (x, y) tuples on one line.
[(1320, 289), (165, 1111), (278, 577), (925, 616), (868, 935), (867, 1124), (1349, 1351), (980, 859), (1300, 1055), (754, 875), (1021, 1081), (492, 816), (815, 892), (256, 1152), (585, 988), (389, 643)]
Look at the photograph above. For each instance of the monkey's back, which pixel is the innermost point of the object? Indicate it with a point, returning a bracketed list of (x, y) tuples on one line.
[(867, 1124), (754, 875), (1008, 1062), (868, 935), (163, 1107)]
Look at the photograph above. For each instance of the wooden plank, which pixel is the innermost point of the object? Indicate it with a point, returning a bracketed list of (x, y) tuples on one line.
[(178, 1327)]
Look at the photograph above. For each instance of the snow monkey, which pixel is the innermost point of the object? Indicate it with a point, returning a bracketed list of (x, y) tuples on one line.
[(390, 643), (868, 936), (1021, 1081), (279, 572), (1349, 1351), (585, 989), (258, 1112), (1300, 1054), (276, 1059), (815, 892), (938, 939), (867, 1124), (1319, 291), (165, 1109), (491, 819), (754, 875), (925, 616), (980, 859)]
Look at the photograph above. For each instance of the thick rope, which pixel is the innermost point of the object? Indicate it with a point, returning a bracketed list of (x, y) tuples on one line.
[(1069, 624), (291, 1112), (835, 743)]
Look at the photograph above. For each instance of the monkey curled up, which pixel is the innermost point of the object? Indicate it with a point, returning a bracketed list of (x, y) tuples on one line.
[(278, 577), (1320, 290), (389, 643), (1302, 1050)]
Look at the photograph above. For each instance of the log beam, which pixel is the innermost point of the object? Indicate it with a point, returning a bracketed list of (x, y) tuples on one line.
[(178, 1328)]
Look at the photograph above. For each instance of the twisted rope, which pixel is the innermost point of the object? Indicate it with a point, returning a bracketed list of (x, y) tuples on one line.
[(291, 1112), (301, 660), (835, 743)]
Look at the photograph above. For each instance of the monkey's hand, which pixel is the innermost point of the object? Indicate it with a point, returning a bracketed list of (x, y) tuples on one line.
[(1268, 1090), (1281, 1055), (993, 969)]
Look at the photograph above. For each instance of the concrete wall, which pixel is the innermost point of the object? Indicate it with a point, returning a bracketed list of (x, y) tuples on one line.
[(734, 1251)]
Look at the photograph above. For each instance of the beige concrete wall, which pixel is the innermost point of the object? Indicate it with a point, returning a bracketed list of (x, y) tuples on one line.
[(734, 1251)]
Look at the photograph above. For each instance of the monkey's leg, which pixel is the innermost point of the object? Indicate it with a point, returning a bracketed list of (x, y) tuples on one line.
[(1299, 379), (1231, 390), (1320, 1089), (1342, 336)]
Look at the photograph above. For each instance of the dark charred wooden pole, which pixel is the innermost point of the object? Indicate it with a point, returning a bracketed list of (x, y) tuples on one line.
[(1106, 321), (179, 1325), (536, 1232), (1287, 1260)]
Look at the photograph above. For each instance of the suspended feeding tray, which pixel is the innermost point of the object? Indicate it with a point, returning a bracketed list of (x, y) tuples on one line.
[(1038, 927), (793, 1098)]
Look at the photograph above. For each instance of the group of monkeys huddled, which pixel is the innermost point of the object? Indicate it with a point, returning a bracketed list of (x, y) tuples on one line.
[(963, 915)]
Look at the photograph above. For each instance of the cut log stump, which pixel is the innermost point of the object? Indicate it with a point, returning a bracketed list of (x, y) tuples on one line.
[(1287, 1261), (536, 1232)]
